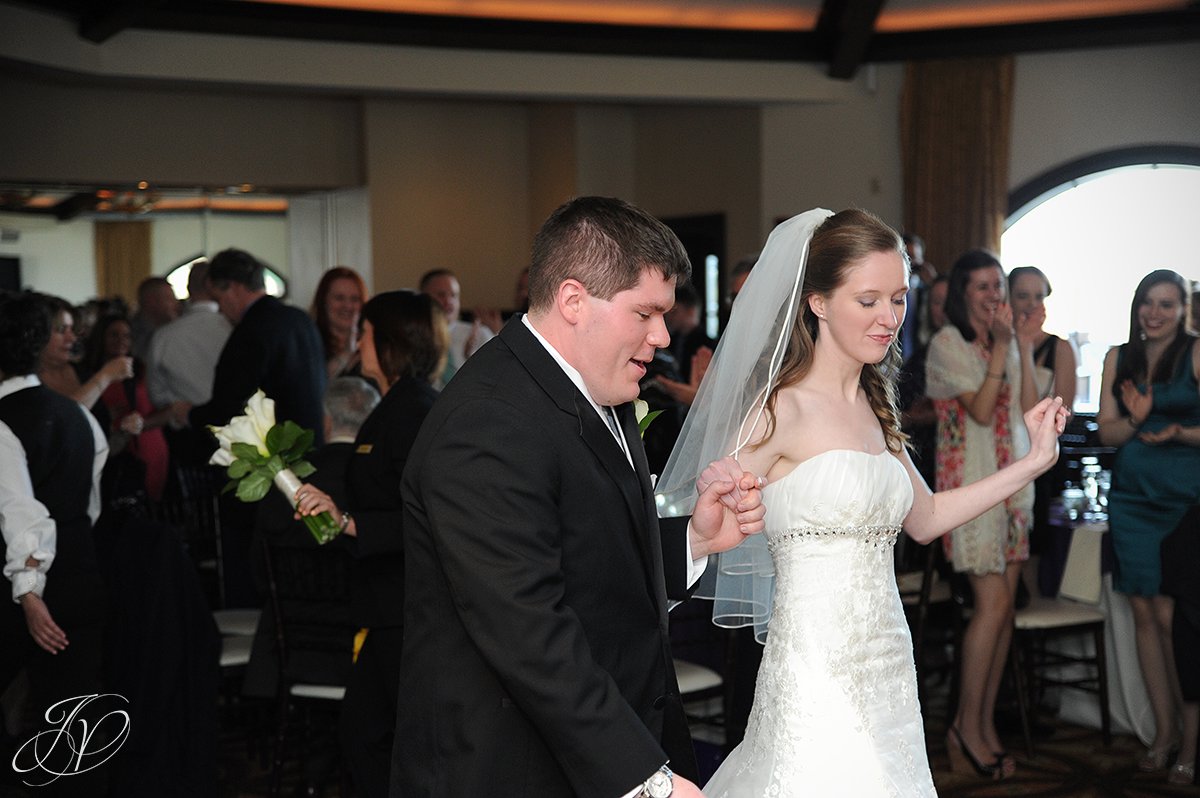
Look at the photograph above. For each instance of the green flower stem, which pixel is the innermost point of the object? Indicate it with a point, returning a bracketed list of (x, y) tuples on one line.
[(322, 526)]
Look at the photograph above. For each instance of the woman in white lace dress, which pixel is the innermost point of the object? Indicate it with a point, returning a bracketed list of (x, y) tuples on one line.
[(800, 390)]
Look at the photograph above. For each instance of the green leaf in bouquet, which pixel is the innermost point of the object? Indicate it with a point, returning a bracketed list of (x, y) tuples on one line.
[(302, 444), (275, 464), (282, 437), (239, 468), (302, 468), (253, 486), (230, 485), (246, 451)]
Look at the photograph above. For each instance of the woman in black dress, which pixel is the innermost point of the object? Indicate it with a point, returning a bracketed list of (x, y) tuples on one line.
[(403, 345)]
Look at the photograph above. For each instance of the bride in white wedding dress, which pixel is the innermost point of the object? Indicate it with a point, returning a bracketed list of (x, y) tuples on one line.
[(800, 390)]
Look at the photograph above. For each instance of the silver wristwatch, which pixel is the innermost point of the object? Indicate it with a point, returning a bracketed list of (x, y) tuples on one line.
[(660, 785)]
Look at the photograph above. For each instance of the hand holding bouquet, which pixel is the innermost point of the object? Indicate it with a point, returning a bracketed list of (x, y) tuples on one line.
[(256, 452)]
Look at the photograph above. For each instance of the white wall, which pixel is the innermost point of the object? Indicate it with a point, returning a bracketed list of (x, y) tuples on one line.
[(56, 257)]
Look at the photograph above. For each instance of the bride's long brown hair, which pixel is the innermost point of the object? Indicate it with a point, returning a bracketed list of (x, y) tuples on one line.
[(838, 245)]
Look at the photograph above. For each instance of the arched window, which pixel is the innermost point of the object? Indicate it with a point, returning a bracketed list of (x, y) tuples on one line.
[(1095, 227), (178, 276)]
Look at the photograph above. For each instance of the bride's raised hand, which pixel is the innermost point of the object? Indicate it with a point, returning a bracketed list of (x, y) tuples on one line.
[(1045, 421)]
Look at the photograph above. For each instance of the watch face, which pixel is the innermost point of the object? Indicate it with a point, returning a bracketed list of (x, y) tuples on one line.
[(659, 786)]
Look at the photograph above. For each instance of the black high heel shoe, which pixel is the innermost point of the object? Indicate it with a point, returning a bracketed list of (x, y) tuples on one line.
[(961, 756)]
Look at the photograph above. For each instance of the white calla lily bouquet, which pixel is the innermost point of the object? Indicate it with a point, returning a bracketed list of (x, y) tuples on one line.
[(256, 453)]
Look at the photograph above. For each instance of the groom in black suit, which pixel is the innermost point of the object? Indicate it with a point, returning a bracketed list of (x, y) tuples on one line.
[(536, 658)]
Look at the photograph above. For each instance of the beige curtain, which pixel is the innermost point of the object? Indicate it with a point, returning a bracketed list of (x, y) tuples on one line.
[(955, 132), (122, 258)]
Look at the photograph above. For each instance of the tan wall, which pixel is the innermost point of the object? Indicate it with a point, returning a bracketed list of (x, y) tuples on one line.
[(701, 160), (836, 155), (56, 132), (449, 188), (1069, 105)]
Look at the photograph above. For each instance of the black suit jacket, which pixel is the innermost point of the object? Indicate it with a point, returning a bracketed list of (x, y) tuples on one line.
[(277, 348), (536, 655)]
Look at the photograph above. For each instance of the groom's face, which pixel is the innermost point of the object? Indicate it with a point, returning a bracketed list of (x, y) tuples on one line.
[(619, 336)]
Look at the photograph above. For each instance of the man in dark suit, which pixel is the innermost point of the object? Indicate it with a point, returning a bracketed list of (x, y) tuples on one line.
[(274, 347), (536, 657)]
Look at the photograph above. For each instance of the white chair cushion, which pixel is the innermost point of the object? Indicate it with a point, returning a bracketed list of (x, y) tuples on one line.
[(694, 678), (235, 651), (328, 692), (237, 622), (1044, 613)]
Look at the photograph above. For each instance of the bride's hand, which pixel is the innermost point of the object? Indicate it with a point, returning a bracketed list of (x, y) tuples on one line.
[(728, 508), (685, 788), (1045, 421)]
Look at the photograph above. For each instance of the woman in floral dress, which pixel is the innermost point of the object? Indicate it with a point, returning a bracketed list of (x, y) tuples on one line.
[(979, 374)]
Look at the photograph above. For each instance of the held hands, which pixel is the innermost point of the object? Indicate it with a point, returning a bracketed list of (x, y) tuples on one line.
[(1138, 403), (1045, 421), (685, 788), (45, 632), (728, 508)]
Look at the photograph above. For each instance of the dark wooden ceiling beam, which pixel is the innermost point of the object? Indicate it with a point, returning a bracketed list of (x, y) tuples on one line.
[(846, 28), (101, 21)]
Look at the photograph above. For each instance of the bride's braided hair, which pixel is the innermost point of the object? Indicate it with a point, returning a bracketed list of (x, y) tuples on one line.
[(840, 243)]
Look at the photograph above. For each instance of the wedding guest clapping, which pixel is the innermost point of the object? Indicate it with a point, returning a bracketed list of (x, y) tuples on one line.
[(466, 337), (979, 372), (403, 347), (335, 309), (1150, 409), (1053, 357)]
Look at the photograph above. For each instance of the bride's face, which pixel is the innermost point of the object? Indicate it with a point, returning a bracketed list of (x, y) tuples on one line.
[(862, 315)]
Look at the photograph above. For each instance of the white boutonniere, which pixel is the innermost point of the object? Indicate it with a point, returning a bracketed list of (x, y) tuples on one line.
[(256, 452), (641, 411)]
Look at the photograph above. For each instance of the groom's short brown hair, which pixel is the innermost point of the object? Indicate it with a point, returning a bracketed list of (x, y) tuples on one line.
[(604, 243)]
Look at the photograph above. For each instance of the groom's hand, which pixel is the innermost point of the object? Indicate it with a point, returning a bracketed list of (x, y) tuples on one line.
[(728, 509), (685, 789)]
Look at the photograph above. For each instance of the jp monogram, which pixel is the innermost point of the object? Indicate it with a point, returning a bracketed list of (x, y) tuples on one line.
[(86, 732)]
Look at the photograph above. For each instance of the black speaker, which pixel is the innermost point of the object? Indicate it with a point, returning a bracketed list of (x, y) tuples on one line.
[(10, 273)]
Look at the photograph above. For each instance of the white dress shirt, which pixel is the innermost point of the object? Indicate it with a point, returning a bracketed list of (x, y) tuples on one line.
[(183, 354), (28, 529)]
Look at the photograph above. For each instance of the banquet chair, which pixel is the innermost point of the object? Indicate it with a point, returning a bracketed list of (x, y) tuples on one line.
[(309, 593), (1037, 664), (920, 590), (194, 510), (703, 659)]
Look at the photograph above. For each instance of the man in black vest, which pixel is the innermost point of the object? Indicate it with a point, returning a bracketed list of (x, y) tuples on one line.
[(51, 455)]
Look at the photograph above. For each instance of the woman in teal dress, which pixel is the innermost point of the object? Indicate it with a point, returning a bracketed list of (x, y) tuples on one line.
[(1150, 409)]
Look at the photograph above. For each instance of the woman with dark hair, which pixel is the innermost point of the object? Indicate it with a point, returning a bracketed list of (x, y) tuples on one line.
[(802, 390), (335, 309), (1150, 410), (57, 364), (403, 347), (133, 425), (1053, 357), (979, 373)]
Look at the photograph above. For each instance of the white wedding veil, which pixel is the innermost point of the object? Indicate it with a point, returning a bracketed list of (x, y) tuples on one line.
[(729, 404)]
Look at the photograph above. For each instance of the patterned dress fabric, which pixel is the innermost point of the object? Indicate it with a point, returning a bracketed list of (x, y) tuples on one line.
[(835, 709), (968, 451)]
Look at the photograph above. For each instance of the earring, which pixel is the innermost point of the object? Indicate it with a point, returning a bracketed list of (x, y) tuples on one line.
[(1141, 335)]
